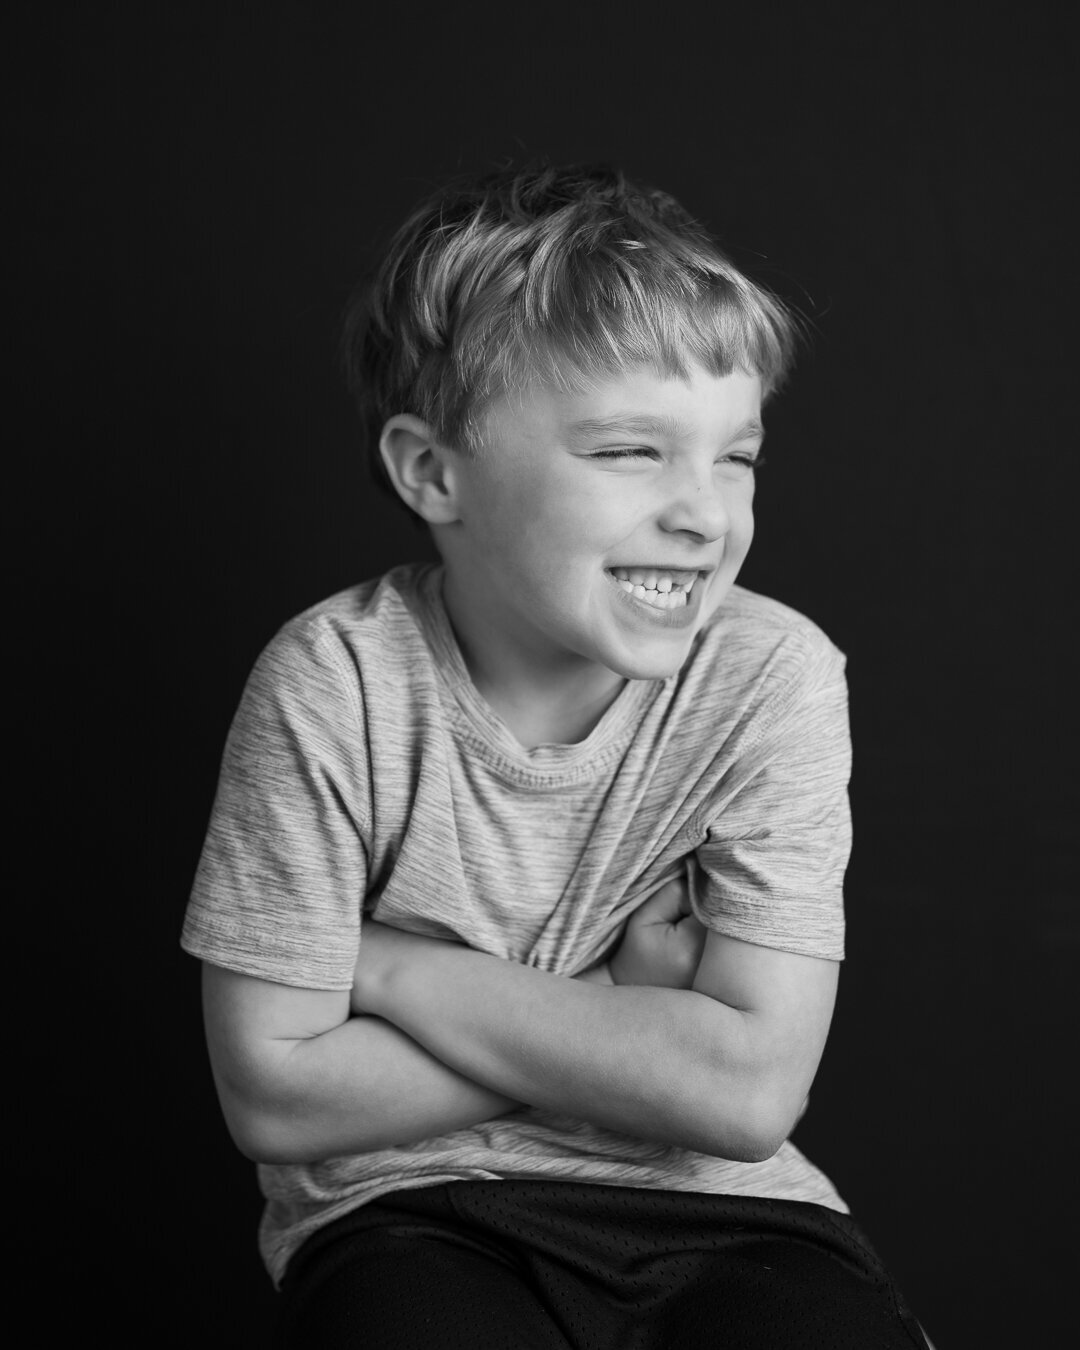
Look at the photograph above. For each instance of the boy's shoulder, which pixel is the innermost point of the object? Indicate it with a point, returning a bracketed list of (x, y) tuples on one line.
[(370, 614), (754, 639), (753, 614), (371, 632), (367, 604)]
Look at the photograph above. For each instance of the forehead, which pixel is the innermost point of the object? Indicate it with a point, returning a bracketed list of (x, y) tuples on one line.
[(638, 403)]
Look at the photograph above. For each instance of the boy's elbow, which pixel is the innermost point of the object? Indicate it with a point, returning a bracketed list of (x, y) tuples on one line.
[(266, 1120), (759, 1141), (770, 1120), (257, 1130), (260, 1142), (288, 1126), (255, 1146), (746, 1138), (266, 1136), (747, 1122)]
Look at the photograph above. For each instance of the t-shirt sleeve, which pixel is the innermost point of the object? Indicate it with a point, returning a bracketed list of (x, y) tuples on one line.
[(777, 838), (280, 884)]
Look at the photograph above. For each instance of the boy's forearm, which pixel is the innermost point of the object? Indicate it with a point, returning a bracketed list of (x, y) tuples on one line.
[(355, 1086), (363, 1086), (669, 1065)]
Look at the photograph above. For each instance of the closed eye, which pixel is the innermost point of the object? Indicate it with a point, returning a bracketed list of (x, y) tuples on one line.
[(625, 452), (748, 459)]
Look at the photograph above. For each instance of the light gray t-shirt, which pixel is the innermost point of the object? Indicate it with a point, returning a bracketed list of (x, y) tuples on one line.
[(364, 773)]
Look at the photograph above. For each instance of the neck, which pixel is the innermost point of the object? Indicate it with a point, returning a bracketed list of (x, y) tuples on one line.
[(542, 699), (550, 716)]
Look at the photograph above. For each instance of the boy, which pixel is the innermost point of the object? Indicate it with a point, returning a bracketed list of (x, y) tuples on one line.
[(448, 794)]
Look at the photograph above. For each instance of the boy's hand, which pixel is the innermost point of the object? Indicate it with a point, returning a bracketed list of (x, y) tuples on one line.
[(662, 941)]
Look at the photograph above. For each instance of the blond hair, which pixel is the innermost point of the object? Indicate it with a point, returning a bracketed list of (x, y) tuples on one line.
[(559, 275)]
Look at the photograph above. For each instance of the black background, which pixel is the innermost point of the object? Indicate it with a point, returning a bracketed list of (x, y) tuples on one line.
[(207, 183)]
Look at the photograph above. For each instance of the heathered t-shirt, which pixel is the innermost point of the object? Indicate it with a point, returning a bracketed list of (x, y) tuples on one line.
[(364, 774)]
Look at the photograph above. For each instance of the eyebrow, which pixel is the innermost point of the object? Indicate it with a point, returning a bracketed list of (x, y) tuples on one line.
[(648, 424)]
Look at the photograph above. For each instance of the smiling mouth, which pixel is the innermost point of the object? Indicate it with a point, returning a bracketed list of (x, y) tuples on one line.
[(662, 588)]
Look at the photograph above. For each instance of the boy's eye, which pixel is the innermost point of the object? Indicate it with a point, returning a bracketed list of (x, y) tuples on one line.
[(749, 459), (624, 452)]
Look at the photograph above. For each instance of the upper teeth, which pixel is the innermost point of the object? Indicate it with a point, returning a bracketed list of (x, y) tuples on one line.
[(654, 580)]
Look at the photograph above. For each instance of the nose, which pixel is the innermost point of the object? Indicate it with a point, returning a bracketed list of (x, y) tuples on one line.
[(696, 506)]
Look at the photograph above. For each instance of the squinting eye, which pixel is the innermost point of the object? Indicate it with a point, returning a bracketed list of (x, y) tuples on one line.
[(747, 461), (624, 452)]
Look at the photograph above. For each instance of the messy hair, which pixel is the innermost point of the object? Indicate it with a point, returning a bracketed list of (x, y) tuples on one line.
[(564, 276)]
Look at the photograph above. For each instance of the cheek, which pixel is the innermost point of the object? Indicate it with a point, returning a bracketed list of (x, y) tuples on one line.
[(551, 529), (742, 518), (562, 523), (531, 535)]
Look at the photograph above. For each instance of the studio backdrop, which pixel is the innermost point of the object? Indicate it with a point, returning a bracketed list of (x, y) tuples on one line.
[(219, 179)]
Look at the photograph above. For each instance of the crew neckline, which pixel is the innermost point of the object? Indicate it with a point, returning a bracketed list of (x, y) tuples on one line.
[(545, 765)]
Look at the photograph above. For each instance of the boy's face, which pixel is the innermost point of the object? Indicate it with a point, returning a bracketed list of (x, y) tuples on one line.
[(598, 531)]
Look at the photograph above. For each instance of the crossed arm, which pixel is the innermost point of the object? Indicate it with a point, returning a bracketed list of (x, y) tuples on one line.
[(693, 1039)]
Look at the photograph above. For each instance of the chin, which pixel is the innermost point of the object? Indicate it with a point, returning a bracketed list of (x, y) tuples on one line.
[(659, 665)]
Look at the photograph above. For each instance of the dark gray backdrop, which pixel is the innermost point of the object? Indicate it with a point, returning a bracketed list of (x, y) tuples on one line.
[(209, 181)]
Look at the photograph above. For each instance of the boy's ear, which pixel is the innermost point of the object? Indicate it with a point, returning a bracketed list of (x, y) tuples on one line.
[(420, 468)]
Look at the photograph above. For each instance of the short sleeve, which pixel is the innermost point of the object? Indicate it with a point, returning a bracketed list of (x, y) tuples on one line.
[(280, 884), (770, 869)]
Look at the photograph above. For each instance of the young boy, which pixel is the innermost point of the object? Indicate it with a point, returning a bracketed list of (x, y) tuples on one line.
[(520, 906)]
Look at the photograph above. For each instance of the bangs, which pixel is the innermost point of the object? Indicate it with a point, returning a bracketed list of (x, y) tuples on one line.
[(561, 277), (571, 317), (719, 330)]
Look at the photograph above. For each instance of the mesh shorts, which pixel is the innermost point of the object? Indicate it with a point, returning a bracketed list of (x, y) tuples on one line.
[(478, 1265)]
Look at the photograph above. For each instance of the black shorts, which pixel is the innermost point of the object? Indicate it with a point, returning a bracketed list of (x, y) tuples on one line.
[(483, 1265)]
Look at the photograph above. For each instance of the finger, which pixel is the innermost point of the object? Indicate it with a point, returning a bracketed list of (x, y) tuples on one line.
[(663, 906), (676, 897)]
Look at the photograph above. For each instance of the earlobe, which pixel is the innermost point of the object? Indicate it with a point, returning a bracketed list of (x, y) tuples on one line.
[(420, 468)]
